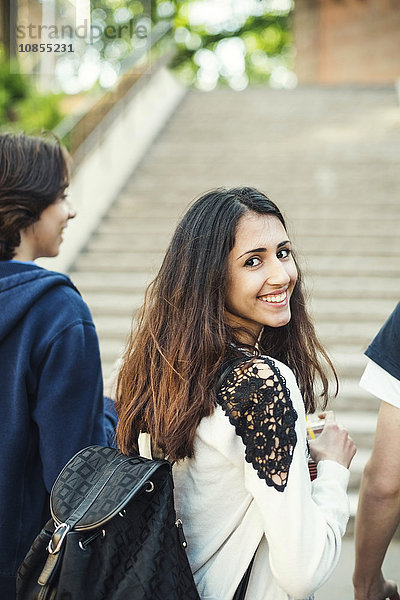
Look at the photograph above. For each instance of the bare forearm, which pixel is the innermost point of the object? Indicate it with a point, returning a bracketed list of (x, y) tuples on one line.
[(377, 519)]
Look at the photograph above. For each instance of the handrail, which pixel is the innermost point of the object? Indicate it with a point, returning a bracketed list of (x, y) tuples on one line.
[(76, 130)]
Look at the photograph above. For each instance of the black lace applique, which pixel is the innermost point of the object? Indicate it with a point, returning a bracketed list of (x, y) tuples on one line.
[(260, 409)]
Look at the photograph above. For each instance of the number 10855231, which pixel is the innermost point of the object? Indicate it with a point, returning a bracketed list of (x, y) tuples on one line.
[(45, 48)]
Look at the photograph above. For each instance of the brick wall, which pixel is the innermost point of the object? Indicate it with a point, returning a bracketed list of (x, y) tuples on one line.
[(347, 41)]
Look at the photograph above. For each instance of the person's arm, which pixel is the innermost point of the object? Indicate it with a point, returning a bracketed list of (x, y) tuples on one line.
[(303, 522), (69, 408), (378, 512)]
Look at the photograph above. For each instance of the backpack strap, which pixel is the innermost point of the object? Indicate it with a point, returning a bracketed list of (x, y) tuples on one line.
[(226, 368), (144, 445), (241, 590), (224, 371)]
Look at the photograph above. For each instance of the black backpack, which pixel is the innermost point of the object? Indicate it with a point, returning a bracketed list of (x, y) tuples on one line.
[(114, 534)]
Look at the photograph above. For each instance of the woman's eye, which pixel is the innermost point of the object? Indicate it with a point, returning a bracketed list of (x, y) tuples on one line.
[(253, 262), (283, 253)]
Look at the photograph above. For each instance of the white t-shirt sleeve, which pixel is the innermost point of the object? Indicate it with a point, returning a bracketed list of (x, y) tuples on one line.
[(381, 384)]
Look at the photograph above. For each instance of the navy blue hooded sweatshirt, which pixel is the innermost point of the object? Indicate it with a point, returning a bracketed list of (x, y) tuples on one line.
[(51, 400)]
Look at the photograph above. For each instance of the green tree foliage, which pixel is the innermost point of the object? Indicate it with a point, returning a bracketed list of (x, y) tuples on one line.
[(252, 47), (262, 42), (239, 49), (21, 106)]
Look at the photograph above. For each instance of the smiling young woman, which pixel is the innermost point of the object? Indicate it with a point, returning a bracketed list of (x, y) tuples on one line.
[(212, 372)]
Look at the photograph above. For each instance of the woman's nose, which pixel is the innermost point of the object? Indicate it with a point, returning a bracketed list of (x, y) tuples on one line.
[(277, 274)]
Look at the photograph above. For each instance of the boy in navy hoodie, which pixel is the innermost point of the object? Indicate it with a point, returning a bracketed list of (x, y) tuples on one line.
[(51, 391)]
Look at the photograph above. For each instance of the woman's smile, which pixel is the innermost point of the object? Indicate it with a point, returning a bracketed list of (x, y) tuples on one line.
[(280, 299)]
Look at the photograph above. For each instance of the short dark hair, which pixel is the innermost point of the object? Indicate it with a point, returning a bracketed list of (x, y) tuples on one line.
[(34, 172)]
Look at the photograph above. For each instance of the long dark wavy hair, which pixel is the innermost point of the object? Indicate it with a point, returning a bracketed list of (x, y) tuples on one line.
[(166, 382), (34, 172)]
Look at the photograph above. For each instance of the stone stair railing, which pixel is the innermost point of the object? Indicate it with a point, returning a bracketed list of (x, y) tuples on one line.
[(110, 139)]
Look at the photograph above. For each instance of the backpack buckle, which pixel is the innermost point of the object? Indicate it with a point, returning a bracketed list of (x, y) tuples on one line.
[(58, 538)]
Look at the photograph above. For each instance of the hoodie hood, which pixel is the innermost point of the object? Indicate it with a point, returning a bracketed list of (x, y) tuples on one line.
[(21, 285)]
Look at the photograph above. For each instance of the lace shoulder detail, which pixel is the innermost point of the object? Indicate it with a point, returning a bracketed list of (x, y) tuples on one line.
[(257, 401)]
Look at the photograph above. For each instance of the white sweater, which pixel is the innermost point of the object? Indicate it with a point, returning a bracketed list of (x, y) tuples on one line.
[(229, 512)]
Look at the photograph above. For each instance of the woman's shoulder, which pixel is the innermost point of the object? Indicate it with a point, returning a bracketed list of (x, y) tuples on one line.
[(273, 364), (261, 366), (254, 379), (261, 379)]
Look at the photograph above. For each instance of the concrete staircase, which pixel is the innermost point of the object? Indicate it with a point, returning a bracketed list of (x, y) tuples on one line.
[(328, 158)]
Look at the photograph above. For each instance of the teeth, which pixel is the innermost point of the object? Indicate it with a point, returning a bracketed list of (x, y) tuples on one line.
[(275, 298)]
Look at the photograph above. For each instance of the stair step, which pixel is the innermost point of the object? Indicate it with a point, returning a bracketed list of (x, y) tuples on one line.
[(345, 309), (371, 266), (352, 397), (364, 226), (333, 333), (113, 303), (122, 223), (133, 206), (146, 262), (138, 242), (111, 281), (328, 286), (361, 426)]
